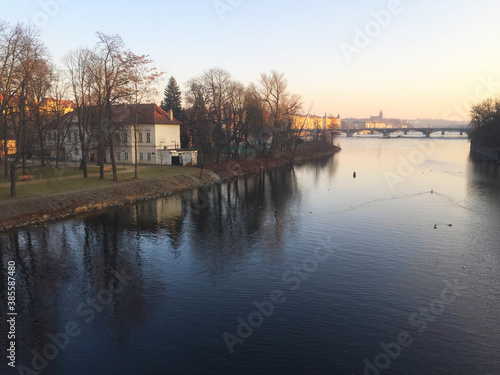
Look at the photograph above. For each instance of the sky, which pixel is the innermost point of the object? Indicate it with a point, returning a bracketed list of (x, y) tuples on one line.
[(411, 58)]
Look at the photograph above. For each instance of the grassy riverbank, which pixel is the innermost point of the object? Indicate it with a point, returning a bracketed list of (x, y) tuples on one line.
[(49, 180), (67, 193)]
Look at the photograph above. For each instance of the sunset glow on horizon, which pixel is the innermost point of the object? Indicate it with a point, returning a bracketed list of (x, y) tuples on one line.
[(411, 58)]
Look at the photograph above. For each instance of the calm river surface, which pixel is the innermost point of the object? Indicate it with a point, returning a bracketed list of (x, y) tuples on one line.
[(303, 271)]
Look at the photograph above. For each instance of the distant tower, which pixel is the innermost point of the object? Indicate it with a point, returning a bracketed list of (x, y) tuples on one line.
[(381, 115), (324, 122)]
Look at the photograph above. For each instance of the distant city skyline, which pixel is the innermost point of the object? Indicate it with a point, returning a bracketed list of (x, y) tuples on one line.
[(413, 58)]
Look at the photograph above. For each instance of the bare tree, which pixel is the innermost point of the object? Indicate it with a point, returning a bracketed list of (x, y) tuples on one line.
[(298, 135), (235, 115), (217, 88), (40, 85), (58, 108), (78, 71), (254, 119), (197, 116), (31, 52), (10, 41), (112, 85), (280, 105), (143, 79)]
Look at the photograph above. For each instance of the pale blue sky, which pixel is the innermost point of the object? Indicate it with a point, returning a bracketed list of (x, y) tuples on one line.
[(430, 59)]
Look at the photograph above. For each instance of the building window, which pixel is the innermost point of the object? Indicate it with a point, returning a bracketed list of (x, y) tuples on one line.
[(141, 156), (76, 151), (75, 136), (69, 137), (148, 137), (125, 137), (149, 155), (140, 137), (125, 156)]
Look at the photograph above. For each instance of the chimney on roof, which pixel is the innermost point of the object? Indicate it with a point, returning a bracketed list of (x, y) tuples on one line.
[(171, 114)]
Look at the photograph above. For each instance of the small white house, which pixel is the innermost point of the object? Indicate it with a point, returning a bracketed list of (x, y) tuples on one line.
[(156, 130)]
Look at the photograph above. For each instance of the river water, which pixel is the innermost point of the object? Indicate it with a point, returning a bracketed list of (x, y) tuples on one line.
[(296, 271)]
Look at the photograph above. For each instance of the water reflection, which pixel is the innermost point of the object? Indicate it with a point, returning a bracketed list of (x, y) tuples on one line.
[(64, 270), (483, 181), (227, 220), (483, 169), (327, 166), (191, 263)]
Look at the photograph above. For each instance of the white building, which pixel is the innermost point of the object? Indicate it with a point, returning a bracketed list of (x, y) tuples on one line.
[(157, 134), (158, 137)]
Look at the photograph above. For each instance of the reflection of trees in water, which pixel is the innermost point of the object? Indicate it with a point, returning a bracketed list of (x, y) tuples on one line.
[(484, 169), (44, 263), (484, 187), (318, 166), (230, 220), (109, 248), (62, 265), (163, 218)]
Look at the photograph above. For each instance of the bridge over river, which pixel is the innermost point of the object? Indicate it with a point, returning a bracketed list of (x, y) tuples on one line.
[(387, 131)]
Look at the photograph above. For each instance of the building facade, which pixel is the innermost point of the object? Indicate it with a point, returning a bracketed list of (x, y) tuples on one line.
[(311, 122), (158, 137)]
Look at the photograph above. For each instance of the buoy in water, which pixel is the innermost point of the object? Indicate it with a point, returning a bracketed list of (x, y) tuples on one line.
[(354, 175)]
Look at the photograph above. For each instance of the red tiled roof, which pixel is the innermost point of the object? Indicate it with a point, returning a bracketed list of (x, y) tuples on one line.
[(147, 114), (152, 114)]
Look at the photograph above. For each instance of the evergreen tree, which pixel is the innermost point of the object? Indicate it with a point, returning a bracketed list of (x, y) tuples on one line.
[(172, 99)]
